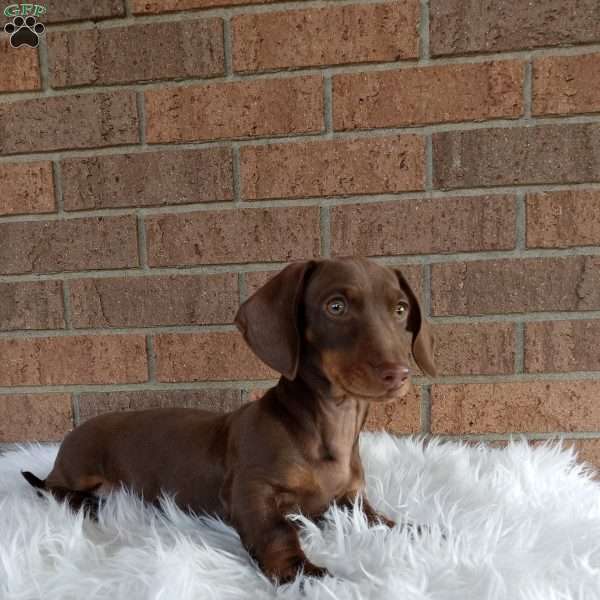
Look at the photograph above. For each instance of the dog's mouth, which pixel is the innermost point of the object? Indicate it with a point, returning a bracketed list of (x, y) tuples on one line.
[(362, 382), (364, 393)]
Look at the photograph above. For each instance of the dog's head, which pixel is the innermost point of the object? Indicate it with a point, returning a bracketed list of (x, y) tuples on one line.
[(352, 320)]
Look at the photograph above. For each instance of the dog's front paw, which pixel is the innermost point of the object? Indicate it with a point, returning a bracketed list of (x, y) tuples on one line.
[(289, 572), (391, 524), (311, 570)]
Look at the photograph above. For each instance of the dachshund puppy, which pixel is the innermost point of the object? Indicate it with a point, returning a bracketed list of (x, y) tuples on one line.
[(340, 333)]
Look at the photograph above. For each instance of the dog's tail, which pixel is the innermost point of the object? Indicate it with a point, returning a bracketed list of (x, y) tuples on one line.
[(34, 481)]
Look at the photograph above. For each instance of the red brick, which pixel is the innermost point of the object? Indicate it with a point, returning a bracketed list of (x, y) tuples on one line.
[(28, 418), (68, 245), (240, 236), (515, 286), (424, 226), (559, 346), (214, 356), (68, 122), (31, 305), (563, 219), (174, 50), (325, 36), (256, 280), (147, 301), (400, 417), (148, 179), (27, 188), (333, 168), (94, 404), (538, 406), (449, 93), (19, 67), (159, 6), (82, 10), (69, 360), (524, 155), (566, 84), (474, 348), (466, 26), (263, 107)]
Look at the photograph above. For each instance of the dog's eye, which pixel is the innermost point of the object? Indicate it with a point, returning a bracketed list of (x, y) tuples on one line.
[(336, 307), (401, 309)]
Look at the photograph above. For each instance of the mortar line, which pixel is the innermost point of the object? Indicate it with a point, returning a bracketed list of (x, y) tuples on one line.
[(429, 163), (520, 221), (528, 89), (537, 378), (242, 289), (142, 245), (151, 359), (513, 378), (101, 331), (316, 136), (237, 167), (128, 9), (44, 68), (517, 435), (141, 113), (349, 68), (518, 317), (75, 409), (199, 13), (426, 409), (325, 231), (392, 260), (328, 104), (314, 201), (67, 312), (227, 48), (519, 333), (192, 14), (131, 387), (70, 331), (58, 189), (426, 290), (424, 32)]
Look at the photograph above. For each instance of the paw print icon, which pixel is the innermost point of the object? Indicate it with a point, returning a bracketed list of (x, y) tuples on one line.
[(24, 32)]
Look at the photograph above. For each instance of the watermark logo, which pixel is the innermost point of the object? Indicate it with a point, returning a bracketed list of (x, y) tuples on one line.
[(24, 29)]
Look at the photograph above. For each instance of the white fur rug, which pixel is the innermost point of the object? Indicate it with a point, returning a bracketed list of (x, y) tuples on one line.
[(519, 523)]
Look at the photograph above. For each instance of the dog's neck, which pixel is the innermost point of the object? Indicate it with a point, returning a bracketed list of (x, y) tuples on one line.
[(330, 424)]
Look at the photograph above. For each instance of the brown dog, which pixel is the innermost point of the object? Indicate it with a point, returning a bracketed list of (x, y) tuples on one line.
[(340, 333)]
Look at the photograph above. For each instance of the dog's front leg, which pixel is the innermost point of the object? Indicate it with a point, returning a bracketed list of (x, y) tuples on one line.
[(269, 537), (373, 517)]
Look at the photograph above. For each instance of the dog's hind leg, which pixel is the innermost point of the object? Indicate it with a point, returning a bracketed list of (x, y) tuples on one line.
[(84, 500)]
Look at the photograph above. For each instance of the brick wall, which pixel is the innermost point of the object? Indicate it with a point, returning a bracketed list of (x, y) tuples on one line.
[(159, 160)]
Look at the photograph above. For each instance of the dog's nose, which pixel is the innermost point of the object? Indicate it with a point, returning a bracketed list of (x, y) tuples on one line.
[(392, 374)]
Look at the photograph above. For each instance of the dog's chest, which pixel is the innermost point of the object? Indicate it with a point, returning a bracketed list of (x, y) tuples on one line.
[(330, 479), (334, 477), (333, 470)]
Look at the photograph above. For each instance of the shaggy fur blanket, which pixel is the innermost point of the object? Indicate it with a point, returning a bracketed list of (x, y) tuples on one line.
[(502, 523)]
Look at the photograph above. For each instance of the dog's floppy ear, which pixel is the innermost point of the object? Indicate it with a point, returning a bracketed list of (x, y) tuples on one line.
[(269, 319), (422, 338)]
